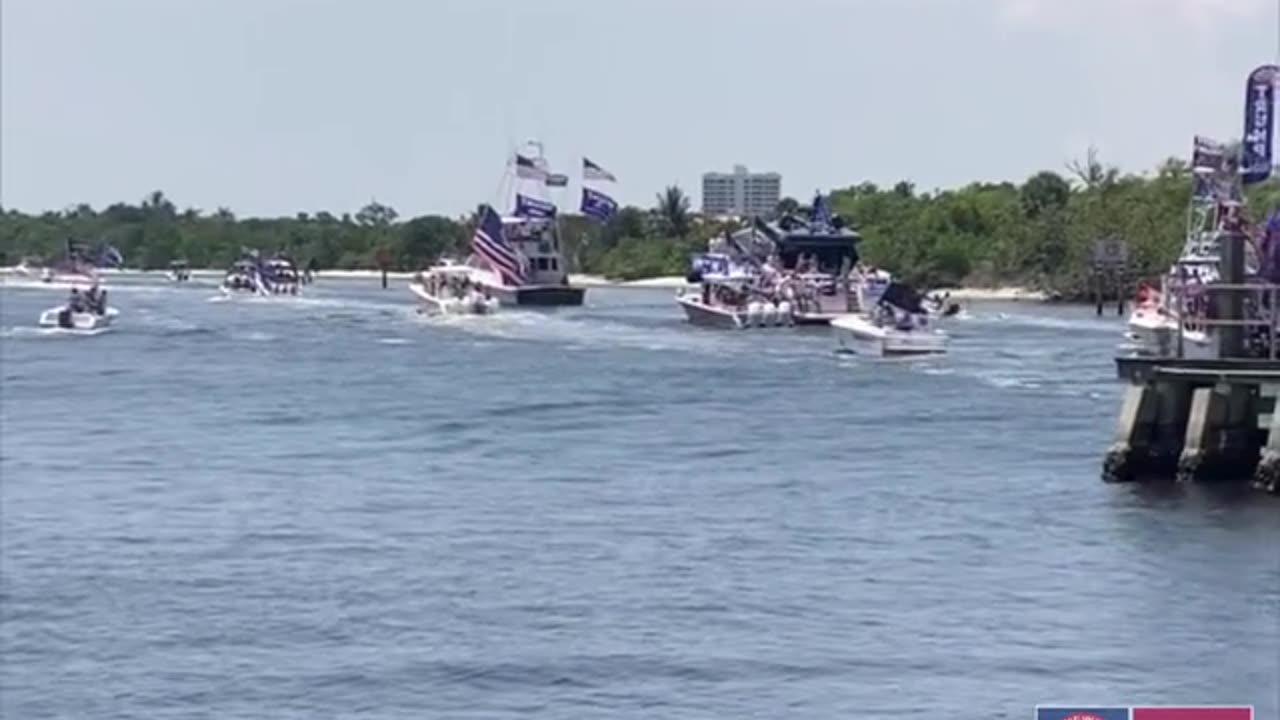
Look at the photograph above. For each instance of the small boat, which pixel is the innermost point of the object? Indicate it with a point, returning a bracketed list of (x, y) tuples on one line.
[(897, 326), (734, 301), (64, 318), (32, 267), (450, 288), (87, 312), (179, 271)]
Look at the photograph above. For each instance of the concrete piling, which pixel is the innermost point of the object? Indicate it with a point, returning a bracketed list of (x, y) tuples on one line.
[(1194, 427), (1267, 475)]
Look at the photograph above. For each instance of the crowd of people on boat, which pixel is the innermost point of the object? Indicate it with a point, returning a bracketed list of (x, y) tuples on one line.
[(450, 286), (93, 300)]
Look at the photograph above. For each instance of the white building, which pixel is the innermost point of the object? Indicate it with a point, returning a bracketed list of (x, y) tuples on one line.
[(740, 192)]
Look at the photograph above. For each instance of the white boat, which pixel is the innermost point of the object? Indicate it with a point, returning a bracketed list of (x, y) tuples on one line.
[(279, 276), (802, 260), (1216, 201), (527, 241), (897, 325), (1153, 331), (871, 335), (243, 279), (734, 302), (179, 271), (81, 319), (450, 288)]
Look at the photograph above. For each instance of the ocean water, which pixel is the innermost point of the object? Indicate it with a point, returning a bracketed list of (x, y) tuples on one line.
[(331, 507)]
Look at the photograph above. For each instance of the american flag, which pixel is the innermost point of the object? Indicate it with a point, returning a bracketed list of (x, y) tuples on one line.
[(490, 244)]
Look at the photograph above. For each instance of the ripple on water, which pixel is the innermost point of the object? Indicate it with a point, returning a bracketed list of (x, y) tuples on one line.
[(329, 505)]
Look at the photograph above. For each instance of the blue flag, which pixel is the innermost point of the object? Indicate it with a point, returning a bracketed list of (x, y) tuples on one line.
[(531, 207), (598, 206), (1259, 123)]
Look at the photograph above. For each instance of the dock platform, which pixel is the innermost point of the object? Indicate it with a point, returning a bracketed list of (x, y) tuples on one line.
[(1206, 418)]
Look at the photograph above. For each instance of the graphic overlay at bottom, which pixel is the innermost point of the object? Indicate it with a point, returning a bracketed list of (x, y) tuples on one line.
[(1138, 712)]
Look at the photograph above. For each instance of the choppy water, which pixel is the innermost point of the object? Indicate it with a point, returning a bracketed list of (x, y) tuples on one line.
[(329, 507)]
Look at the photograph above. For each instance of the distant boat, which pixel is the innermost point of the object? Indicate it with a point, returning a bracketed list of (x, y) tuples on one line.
[(179, 271), (450, 288), (250, 275), (80, 263), (519, 260)]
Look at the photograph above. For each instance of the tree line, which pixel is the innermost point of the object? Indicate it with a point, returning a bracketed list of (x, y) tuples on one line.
[(1039, 233)]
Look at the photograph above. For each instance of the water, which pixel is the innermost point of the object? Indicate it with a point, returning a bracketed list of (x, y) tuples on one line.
[(330, 507)]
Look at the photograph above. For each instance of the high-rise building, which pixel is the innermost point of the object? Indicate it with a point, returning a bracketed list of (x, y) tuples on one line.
[(741, 192)]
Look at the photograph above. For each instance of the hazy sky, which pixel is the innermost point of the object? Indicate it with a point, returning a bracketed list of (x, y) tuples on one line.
[(274, 106)]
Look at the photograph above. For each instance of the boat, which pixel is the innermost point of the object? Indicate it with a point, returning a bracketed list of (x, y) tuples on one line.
[(898, 325), (179, 271), (807, 259), (80, 264), (733, 297), (250, 275), (518, 259), (31, 266), (1172, 307), (449, 288), (280, 275), (243, 279), (543, 280), (82, 313)]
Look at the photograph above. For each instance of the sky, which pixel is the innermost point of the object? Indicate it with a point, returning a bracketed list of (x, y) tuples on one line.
[(272, 107)]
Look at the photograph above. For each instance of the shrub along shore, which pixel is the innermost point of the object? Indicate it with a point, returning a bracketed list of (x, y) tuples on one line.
[(995, 240)]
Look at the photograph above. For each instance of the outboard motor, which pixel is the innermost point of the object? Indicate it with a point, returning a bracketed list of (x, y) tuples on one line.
[(952, 309), (64, 319)]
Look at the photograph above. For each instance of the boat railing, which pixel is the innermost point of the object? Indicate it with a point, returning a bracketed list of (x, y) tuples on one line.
[(1265, 296)]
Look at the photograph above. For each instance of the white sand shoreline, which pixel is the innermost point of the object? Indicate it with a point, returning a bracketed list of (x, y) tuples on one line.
[(670, 282)]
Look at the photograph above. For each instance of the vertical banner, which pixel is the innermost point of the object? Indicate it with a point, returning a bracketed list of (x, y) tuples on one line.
[(1259, 124)]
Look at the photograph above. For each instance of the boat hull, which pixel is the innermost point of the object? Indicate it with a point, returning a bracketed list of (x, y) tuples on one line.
[(1153, 334), (857, 334), (538, 295), (62, 317), (757, 315)]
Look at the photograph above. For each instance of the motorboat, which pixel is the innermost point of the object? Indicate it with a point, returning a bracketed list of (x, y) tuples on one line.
[(734, 301), (898, 325), (449, 288), (179, 271), (1175, 306), (64, 318), (280, 276), (83, 313), (32, 267), (805, 260), (243, 279), (518, 258)]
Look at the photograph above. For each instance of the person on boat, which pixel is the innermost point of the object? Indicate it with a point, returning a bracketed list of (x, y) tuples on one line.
[(76, 302), (91, 298)]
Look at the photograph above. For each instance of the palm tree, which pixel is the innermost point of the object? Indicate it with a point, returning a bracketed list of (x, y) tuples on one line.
[(673, 211)]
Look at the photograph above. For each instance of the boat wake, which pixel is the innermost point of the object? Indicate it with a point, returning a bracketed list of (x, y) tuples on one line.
[(28, 332), (582, 333)]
